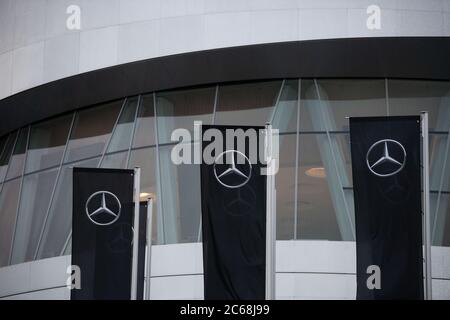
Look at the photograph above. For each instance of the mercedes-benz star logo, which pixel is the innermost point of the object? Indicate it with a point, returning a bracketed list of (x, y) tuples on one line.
[(233, 175), (103, 208), (239, 201), (121, 238), (386, 157)]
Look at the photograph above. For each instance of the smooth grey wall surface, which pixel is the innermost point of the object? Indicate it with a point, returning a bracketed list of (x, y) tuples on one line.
[(36, 47)]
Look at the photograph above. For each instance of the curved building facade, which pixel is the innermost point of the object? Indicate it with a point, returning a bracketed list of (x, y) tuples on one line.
[(109, 95)]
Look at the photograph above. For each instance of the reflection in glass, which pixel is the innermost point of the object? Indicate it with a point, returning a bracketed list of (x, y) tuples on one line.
[(326, 120), (8, 209), (180, 205), (247, 104), (340, 99), (68, 249), (317, 208), (91, 131), (439, 184), (123, 131), (145, 123), (6, 154), (410, 97), (59, 223), (33, 207), (322, 207), (3, 140), (47, 142), (407, 97), (115, 160), (342, 143), (285, 187), (18, 157), (285, 115), (3, 143), (146, 160), (179, 109), (446, 237)]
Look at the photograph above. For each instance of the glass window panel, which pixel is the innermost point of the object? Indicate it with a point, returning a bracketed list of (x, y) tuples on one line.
[(3, 141), (440, 215), (146, 160), (6, 154), (317, 214), (18, 157), (340, 99), (285, 116), (68, 249), (59, 223), (179, 109), (35, 197), (410, 97), (47, 142), (145, 123), (342, 143), (247, 104), (8, 209), (439, 261), (285, 186), (115, 160), (180, 199), (446, 238), (439, 184), (439, 147), (123, 131), (91, 131)]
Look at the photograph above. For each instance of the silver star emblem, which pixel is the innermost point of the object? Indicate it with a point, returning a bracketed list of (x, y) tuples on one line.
[(103, 215), (386, 158), (233, 170)]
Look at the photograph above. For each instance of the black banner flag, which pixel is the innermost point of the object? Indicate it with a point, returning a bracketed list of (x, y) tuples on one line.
[(102, 232), (387, 192), (234, 219), (142, 249)]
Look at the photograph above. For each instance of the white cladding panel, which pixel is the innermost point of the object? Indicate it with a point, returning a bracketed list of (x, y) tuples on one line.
[(305, 270), (36, 47)]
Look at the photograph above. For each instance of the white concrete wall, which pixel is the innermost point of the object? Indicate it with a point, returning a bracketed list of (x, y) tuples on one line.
[(305, 270), (36, 47)]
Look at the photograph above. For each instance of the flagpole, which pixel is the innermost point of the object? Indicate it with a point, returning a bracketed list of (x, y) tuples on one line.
[(426, 205), (270, 219), (148, 252), (134, 265)]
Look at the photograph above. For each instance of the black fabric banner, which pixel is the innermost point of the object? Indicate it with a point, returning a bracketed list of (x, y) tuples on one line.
[(102, 232), (387, 193), (141, 250), (234, 224)]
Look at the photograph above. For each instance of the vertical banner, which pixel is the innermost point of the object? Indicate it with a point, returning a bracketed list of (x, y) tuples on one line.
[(142, 249), (233, 192), (102, 232), (387, 191)]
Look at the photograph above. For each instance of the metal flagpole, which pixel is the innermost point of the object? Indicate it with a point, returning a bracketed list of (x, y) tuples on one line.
[(134, 266), (148, 252), (270, 219), (426, 205)]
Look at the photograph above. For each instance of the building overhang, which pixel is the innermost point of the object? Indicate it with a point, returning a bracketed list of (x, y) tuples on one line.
[(390, 57)]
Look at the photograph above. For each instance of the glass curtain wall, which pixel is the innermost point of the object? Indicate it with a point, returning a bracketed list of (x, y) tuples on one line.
[(314, 182)]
